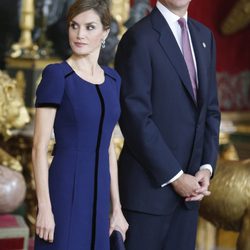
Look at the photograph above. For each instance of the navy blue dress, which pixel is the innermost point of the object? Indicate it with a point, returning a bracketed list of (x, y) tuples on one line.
[(79, 178)]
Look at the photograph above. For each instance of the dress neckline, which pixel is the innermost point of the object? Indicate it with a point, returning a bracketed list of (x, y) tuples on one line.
[(91, 83)]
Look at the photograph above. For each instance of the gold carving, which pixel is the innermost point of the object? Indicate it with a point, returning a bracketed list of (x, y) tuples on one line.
[(120, 11), (8, 161), (26, 63), (25, 46), (229, 205), (238, 18), (27, 23), (20, 78), (13, 114)]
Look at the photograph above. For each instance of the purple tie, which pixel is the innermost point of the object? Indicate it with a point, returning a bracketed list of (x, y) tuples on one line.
[(187, 54)]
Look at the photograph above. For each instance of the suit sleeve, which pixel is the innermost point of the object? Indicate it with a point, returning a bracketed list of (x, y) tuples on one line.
[(141, 134), (211, 139)]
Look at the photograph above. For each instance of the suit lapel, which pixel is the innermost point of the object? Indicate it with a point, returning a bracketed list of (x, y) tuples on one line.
[(172, 50), (200, 56)]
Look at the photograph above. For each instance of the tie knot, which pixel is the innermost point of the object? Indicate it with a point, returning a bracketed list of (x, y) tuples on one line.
[(182, 22)]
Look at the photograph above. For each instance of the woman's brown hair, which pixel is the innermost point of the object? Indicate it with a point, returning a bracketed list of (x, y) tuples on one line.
[(101, 7)]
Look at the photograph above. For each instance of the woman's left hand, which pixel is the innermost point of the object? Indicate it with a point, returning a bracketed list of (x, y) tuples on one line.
[(118, 222)]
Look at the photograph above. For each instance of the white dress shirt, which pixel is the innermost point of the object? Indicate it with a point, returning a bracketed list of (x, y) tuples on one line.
[(172, 21)]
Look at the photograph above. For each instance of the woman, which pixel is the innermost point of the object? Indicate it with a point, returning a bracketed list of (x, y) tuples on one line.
[(80, 100)]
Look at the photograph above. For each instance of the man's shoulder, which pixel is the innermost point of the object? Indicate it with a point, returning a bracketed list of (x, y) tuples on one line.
[(140, 30), (199, 25), (144, 22)]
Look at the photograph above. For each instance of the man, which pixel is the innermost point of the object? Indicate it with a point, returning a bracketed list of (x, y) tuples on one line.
[(170, 122)]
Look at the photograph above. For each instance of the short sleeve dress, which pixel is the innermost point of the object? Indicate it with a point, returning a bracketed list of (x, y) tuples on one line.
[(79, 178)]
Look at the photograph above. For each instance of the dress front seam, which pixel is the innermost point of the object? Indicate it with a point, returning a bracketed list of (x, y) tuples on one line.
[(97, 166)]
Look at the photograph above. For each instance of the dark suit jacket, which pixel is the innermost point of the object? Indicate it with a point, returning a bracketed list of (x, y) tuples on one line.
[(165, 130)]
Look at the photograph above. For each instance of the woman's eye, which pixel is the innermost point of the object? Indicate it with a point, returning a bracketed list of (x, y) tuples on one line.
[(73, 26), (90, 27)]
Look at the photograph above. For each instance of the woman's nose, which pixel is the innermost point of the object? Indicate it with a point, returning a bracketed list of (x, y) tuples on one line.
[(81, 34)]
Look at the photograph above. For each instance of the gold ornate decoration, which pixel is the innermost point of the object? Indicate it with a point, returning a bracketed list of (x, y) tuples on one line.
[(25, 46), (8, 161), (228, 150), (232, 175), (229, 205), (27, 23), (206, 235), (120, 11), (20, 78), (238, 18), (13, 113), (13, 116)]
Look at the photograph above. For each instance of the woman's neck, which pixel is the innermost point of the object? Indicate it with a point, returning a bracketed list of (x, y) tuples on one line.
[(84, 64)]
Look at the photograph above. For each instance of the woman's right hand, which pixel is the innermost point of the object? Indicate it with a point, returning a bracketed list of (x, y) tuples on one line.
[(118, 222), (45, 224)]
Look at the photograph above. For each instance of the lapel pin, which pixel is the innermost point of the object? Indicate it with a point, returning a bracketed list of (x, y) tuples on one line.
[(204, 45)]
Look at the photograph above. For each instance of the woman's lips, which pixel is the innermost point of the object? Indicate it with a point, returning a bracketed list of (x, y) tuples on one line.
[(77, 44)]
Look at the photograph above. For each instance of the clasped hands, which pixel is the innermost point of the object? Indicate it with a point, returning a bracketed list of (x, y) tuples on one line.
[(193, 188)]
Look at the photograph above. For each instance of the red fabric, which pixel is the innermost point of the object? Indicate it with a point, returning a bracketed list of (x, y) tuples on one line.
[(233, 52), (12, 244), (31, 244), (8, 220), (153, 2)]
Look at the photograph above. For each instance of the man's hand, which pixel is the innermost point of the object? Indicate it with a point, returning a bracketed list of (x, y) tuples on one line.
[(203, 178), (186, 185)]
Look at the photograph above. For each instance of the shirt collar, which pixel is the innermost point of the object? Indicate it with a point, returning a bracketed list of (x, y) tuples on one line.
[(170, 17)]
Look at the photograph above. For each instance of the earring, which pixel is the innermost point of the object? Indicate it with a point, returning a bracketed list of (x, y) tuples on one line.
[(103, 44)]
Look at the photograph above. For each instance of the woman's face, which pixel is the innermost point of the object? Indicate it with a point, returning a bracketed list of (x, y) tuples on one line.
[(86, 33)]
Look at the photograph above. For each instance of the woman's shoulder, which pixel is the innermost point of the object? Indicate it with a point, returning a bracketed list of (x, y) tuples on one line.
[(51, 87), (53, 68), (57, 70), (52, 72), (111, 73)]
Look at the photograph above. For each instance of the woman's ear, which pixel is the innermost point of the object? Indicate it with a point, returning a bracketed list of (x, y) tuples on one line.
[(106, 33)]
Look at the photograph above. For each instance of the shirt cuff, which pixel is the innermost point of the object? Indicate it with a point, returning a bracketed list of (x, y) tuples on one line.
[(208, 167), (173, 179)]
